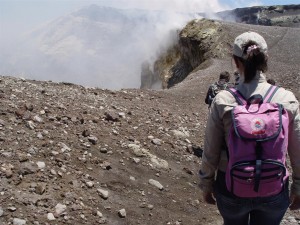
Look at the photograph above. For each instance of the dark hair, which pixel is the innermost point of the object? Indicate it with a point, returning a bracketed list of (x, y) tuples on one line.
[(253, 62), (225, 75)]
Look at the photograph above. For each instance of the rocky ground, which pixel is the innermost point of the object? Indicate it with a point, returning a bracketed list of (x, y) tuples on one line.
[(77, 155)]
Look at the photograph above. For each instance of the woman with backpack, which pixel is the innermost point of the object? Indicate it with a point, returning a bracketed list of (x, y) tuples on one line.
[(260, 124)]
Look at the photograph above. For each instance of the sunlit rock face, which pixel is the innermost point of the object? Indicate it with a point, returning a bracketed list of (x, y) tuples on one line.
[(200, 41)]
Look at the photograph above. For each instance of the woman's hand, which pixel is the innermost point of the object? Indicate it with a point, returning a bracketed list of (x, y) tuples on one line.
[(295, 202), (209, 198)]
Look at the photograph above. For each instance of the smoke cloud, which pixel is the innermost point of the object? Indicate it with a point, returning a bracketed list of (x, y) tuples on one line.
[(99, 46)]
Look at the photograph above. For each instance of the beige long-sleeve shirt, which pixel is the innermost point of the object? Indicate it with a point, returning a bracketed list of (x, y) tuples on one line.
[(219, 123)]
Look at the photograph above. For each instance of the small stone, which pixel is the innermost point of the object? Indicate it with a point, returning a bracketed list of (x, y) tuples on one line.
[(30, 125), (8, 173), (41, 165), (150, 206), (136, 160), (64, 147), (103, 150), (122, 114), (37, 119), (292, 219), (93, 139), (50, 216), (40, 189), (12, 209), (156, 141), (60, 209), (103, 193), (86, 133), (17, 221), (1, 211), (122, 213), (99, 214), (22, 157), (27, 168), (90, 184), (156, 184)]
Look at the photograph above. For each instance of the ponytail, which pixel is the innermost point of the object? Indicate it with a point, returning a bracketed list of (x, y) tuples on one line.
[(253, 59)]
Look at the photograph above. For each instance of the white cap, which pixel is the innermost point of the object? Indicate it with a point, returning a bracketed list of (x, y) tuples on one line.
[(241, 40)]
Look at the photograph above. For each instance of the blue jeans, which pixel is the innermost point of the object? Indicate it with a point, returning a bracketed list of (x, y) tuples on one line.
[(250, 211)]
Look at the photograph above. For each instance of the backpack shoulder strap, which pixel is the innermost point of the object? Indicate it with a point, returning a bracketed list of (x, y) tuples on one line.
[(238, 96), (270, 93)]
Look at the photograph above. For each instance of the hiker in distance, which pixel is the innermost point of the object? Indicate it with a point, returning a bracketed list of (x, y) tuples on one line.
[(251, 183), (216, 87)]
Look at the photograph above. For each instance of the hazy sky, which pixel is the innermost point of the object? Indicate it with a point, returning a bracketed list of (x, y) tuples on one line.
[(27, 13)]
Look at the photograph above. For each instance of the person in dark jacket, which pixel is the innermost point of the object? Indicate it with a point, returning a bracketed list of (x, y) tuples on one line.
[(216, 87)]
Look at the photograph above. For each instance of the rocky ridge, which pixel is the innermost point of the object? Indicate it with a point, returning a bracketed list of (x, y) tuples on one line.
[(276, 15), (202, 40)]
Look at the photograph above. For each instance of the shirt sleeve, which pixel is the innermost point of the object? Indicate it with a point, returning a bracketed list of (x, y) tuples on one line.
[(294, 147), (214, 138)]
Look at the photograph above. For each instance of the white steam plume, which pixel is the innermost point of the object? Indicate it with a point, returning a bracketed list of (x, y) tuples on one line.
[(100, 47)]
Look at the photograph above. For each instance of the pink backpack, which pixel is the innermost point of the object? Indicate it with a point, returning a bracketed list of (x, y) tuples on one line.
[(257, 146)]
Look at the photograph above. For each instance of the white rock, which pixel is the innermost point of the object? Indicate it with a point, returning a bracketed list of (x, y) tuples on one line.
[(90, 184), (292, 219), (103, 193), (136, 160), (159, 163), (156, 184), (37, 119), (180, 134), (122, 213), (122, 114), (156, 141), (41, 165), (99, 214), (50, 216), (30, 124), (60, 209), (17, 221), (64, 147)]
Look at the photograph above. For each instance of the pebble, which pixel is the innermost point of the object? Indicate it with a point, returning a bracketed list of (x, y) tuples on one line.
[(122, 213), (103, 193), (90, 184), (156, 184), (50, 216), (17, 221), (156, 141), (60, 209), (41, 165), (292, 219)]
